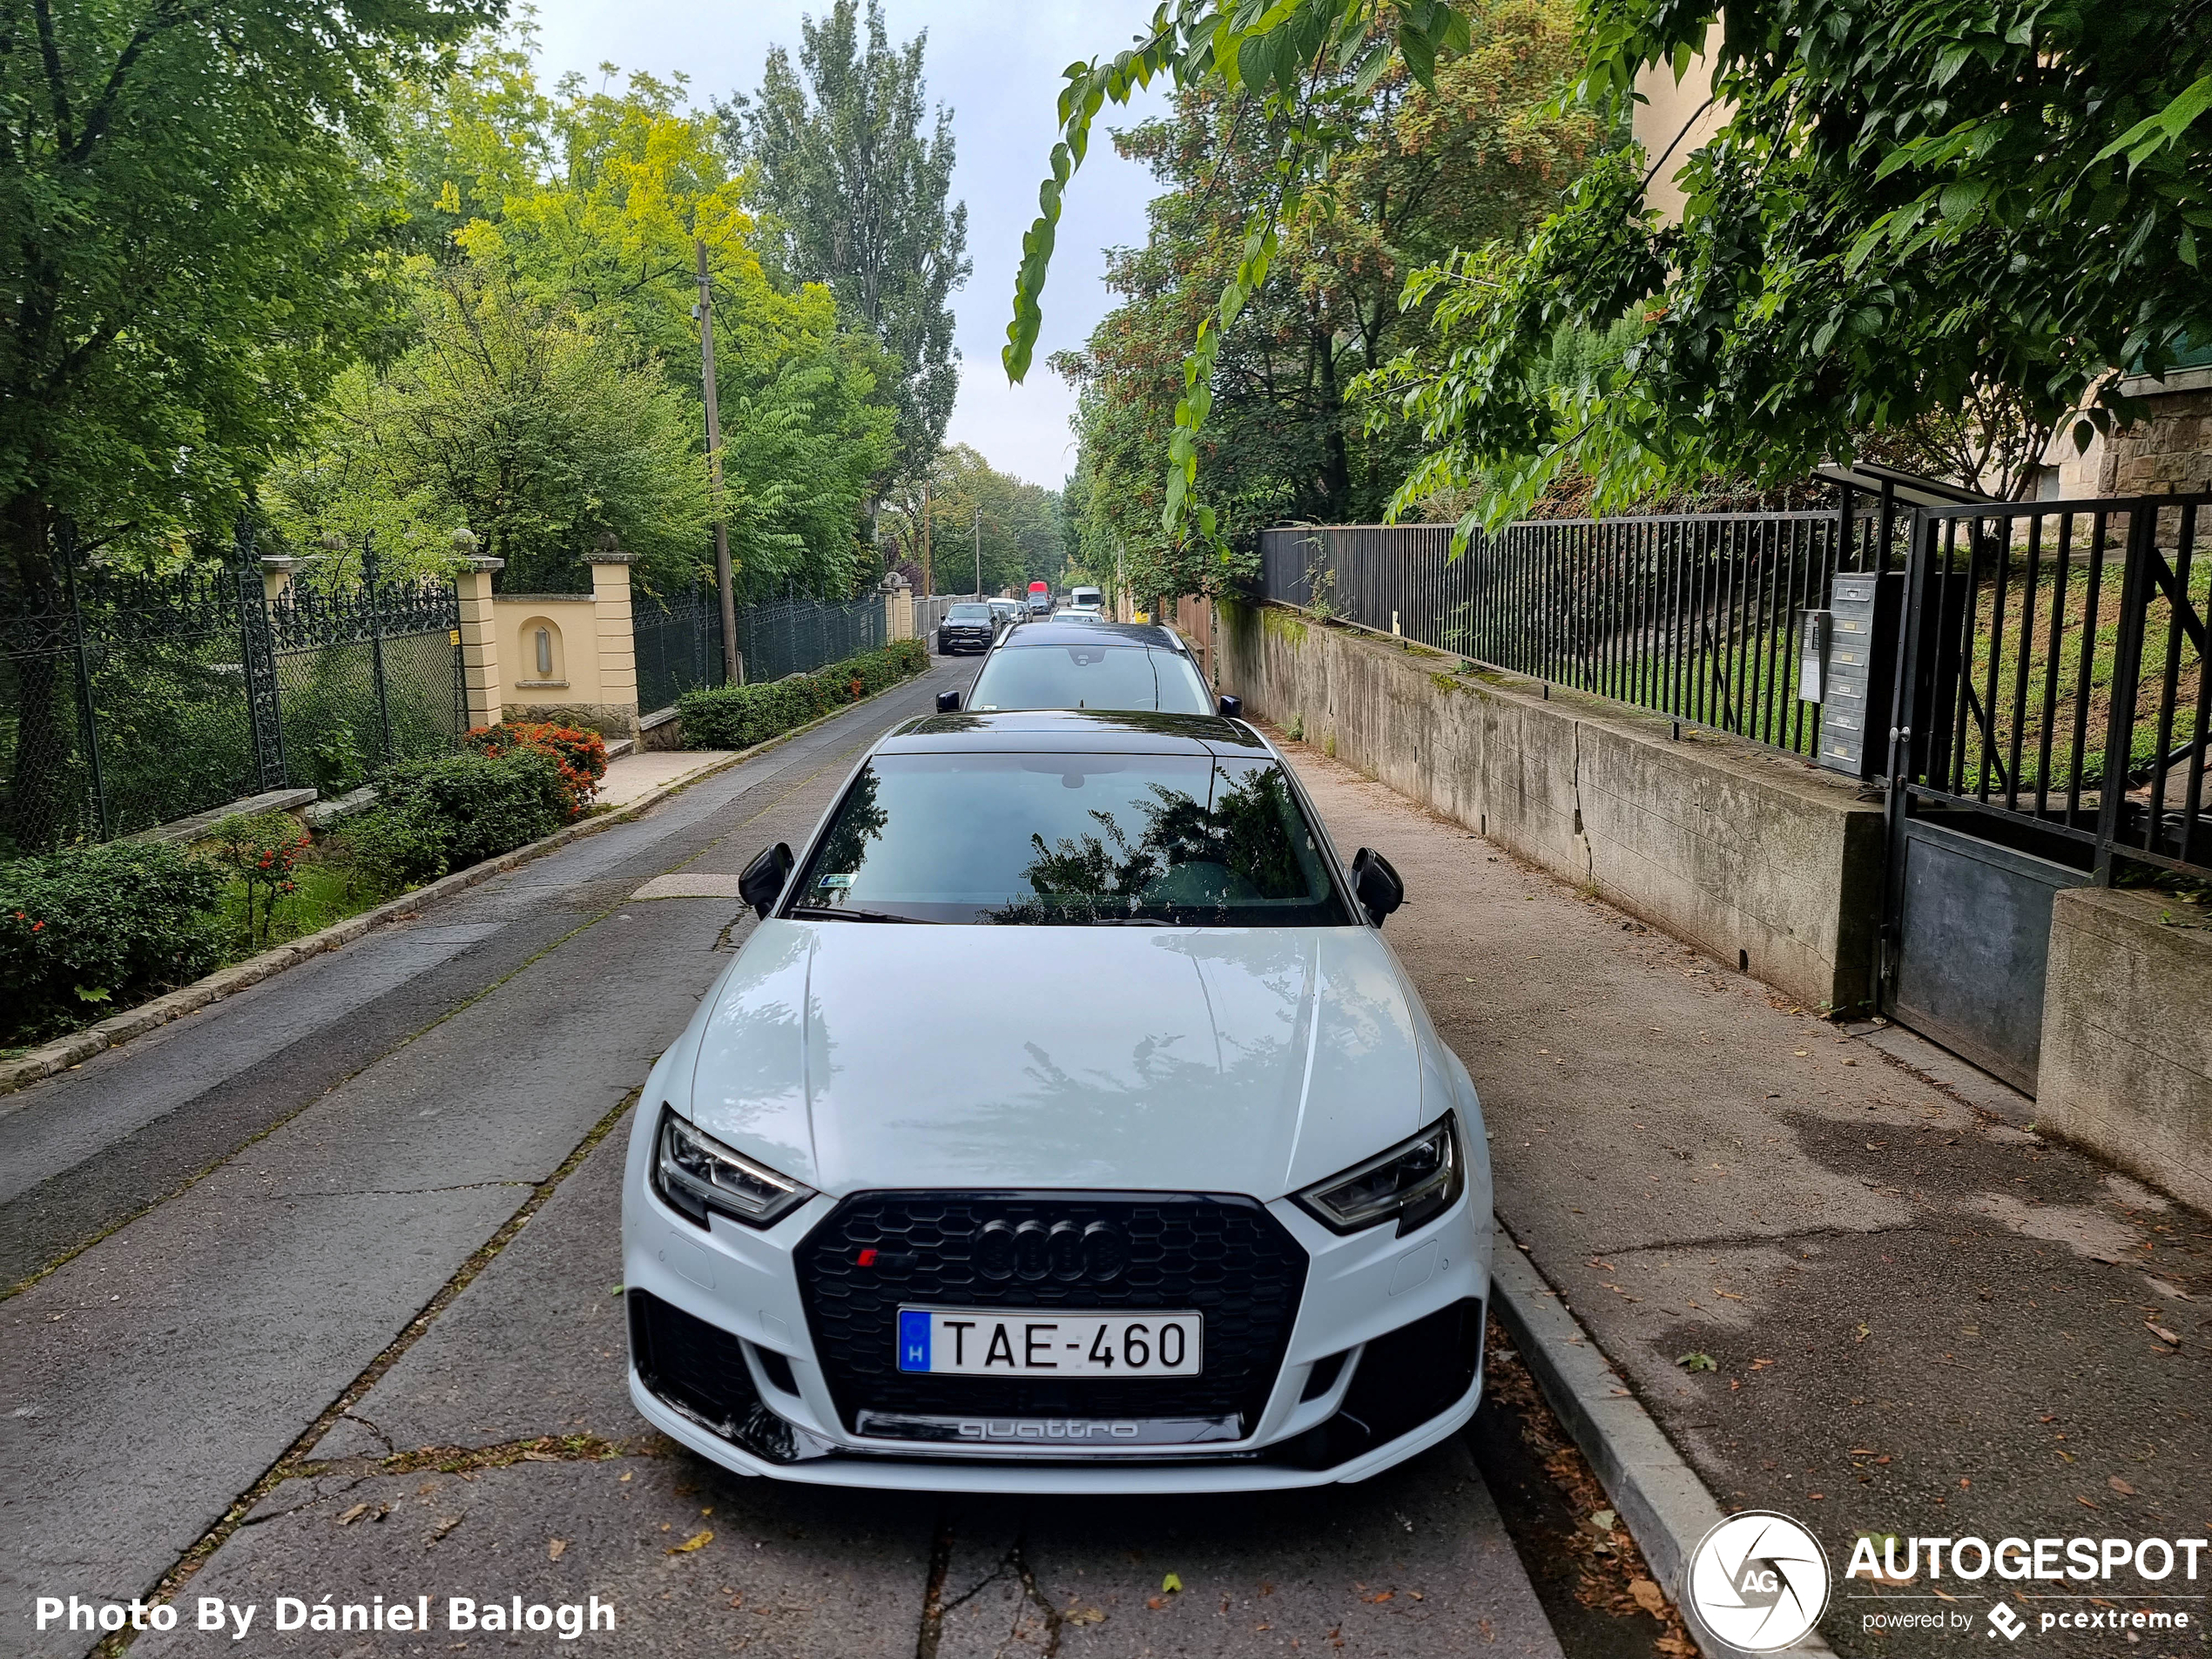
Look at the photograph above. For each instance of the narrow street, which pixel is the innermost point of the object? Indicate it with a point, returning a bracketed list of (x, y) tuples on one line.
[(358, 1226), (307, 1197)]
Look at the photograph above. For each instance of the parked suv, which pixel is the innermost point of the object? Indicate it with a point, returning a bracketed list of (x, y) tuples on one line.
[(967, 627)]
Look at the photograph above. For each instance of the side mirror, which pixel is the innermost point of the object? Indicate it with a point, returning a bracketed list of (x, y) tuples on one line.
[(948, 702), (1376, 885), (762, 880), (1230, 707)]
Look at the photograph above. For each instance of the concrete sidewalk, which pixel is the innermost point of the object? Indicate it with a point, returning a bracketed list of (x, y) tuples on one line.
[(642, 771), (1922, 1317)]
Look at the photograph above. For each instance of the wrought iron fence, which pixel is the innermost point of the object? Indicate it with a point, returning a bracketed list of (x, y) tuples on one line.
[(678, 642), (2055, 674), (129, 701), (367, 671), (1698, 618), (780, 637)]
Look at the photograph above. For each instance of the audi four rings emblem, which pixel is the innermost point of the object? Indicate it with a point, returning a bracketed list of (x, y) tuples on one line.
[(1067, 1251)]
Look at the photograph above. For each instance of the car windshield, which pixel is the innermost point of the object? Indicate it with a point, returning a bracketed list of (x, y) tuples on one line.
[(968, 613), (1091, 677), (1070, 839)]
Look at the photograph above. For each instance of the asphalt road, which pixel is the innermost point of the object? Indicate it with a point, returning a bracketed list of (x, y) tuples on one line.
[(230, 1226)]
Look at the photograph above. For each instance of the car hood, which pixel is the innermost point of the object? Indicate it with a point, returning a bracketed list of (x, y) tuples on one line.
[(857, 1056)]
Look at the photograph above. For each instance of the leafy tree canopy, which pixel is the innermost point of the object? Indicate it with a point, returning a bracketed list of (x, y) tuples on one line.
[(570, 219), (192, 251), (1022, 533), (1910, 200), (854, 176), (1474, 157)]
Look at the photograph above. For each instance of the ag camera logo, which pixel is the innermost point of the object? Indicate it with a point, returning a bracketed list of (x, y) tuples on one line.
[(1758, 1582)]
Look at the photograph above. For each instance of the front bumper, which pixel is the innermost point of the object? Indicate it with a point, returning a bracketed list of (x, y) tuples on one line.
[(724, 1361)]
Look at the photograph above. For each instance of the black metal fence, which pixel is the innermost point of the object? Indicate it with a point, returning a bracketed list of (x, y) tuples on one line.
[(129, 701), (2056, 671), (678, 642), (1698, 618)]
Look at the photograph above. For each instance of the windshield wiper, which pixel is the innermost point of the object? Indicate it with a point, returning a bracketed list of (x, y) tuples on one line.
[(1126, 921), (837, 912)]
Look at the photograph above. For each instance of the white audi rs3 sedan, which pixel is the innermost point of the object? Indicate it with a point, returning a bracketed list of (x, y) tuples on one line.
[(1218, 1219)]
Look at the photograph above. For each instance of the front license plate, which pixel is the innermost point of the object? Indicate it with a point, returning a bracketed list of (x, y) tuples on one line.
[(999, 1342)]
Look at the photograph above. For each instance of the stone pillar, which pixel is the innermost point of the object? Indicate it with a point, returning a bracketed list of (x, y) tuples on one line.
[(899, 613), (615, 637), (480, 675)]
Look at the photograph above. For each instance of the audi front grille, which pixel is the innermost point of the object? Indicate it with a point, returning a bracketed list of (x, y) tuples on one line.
[(1224, 1256)]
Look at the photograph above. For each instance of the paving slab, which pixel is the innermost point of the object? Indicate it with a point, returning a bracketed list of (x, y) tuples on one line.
[(1922, 1316), (1413, 1563), (781, 1571), (535, 1345)]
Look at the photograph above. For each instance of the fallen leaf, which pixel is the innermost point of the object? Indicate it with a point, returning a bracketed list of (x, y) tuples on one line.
[(1762, 1365), (352, 1514), (626, 1477), (2085, 1502), (1860, 1451), (2120, 1486), (1648, 1595), (1605, 1520), (696, 1541), (1084, 1615), (2164, 1335), (1170, 1584), (557, 1549), (1965, 1484), (1695, 1361), (1156, 1602), (1380, 1596)]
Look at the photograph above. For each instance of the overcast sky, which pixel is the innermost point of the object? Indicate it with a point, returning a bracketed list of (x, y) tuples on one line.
[(996, 64)]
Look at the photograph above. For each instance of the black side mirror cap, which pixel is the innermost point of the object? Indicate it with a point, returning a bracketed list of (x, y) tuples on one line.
[(1229, 707), (1376, 885), (948, 702), (762, 880)]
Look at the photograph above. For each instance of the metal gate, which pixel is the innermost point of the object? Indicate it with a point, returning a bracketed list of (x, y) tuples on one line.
[(2048, 729)]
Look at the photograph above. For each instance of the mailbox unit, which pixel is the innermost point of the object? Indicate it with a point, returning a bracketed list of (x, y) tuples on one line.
[(1864, 612)]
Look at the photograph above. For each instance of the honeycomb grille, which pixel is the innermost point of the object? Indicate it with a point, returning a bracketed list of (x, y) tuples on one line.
[(1224, 1256)]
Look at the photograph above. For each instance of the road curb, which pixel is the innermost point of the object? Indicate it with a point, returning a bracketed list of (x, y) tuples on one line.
[(1667, 1507), (75, 1049)]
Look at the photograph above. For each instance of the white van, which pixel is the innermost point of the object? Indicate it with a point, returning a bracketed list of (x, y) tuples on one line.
[(1086, 599)]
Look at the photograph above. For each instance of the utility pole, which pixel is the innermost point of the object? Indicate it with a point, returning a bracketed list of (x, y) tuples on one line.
[(733, 670), (979, 552), (928, 582)]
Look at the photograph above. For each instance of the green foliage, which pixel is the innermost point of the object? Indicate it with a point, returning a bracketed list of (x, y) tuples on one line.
[(86, 932), (262, 851), (1472, 158), (1927, 216), (737, 717), (384, 851), (522, 420), (1305, 69), (1022, 533), (193, 246), (855, 188), (478, 806)]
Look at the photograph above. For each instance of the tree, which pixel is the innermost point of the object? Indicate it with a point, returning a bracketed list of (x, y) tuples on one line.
[(519, 419), (191, 254), (1473, 158), (1024, 536), (587, 204), (1912, 200), (855, 191), (1930, 217)]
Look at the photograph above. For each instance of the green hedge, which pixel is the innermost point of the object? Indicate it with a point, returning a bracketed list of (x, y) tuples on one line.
[(89, 932), (737, 717), (471, 806)]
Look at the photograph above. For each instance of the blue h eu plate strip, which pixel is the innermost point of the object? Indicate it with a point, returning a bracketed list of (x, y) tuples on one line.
[(913, 1339)]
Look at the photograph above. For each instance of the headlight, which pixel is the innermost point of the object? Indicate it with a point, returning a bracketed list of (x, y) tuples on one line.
[(1415, 1181), (696, 1173)]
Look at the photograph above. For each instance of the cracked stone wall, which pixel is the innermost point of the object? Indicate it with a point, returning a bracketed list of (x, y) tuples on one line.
[(1763, 861)]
